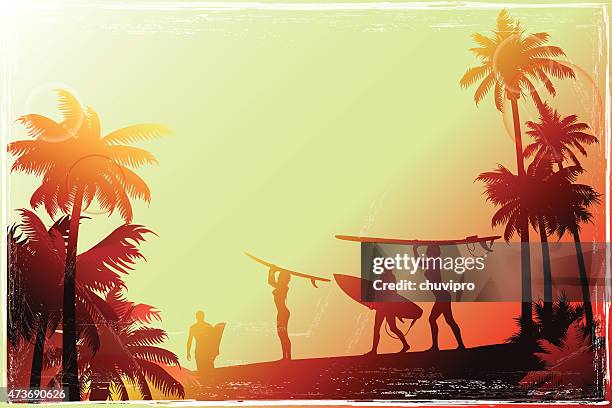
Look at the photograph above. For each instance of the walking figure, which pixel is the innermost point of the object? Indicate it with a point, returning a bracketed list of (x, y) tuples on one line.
[(387, 314), (442, 306), (207, 342)]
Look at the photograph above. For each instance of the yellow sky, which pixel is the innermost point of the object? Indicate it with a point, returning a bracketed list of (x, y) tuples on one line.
[(291, 127)]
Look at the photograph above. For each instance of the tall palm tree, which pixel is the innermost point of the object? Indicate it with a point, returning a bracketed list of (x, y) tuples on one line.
[(511, 63), (78, 166), (36, 265), (542, 219), (556, 138), (556, 198), (571, 211), (129, 354), (527, 197), (36, 257)]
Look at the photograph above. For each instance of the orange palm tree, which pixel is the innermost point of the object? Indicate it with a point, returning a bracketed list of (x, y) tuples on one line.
[(511, 63), (78, 166)]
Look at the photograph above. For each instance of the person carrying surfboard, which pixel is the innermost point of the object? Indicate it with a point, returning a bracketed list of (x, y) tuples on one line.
[(390, 316), (202, 332), (442, 305), (281, 287)]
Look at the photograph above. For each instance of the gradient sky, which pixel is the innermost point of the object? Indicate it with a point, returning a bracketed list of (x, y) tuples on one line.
[(291, 127)]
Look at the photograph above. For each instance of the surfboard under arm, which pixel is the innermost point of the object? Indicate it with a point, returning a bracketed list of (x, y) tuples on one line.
[(313, 278)]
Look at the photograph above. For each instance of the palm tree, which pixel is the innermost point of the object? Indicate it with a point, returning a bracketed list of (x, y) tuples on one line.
[(556, 138), (510, 64), (554, 330), (128, 353), (573, 363), (34, 278), (36, 265), (79, 166), (542, 219), (572, 209), (519, 197)]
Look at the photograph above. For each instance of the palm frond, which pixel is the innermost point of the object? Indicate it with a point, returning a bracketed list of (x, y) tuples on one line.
[(130, 156), (474, 74), (484, 87), (161, 380), (93, 123), (154, 354), (535, 40), (146, 336), (554, 68), (71, 110), (42, 127), (144, 313), (135, 133), (116, 253), (134, 186)]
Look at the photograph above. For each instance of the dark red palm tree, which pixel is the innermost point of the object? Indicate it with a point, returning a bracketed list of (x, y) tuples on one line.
[(551, 202), (527, 197), (572, 209), (129, 354), (36, 264), (557, 139)]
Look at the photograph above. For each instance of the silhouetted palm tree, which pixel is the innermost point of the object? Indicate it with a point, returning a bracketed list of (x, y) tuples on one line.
[(36, 257), (556, 138), (511, 62), (554, 328), (78, 165), (128, 353), (575, 363), (36, 265), (527, 197), (572, 203), (543, 221)]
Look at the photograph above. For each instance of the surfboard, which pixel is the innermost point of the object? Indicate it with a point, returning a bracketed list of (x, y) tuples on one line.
[(313, 278), (217, 334), (393, 302), (485, 242)]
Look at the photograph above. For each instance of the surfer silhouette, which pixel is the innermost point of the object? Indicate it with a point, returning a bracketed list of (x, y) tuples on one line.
[(281, 287), (442, 305), (202, 332), (388, 315)]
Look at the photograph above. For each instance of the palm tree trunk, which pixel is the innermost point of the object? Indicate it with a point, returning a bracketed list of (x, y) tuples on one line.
[(547, 271), (526, 315), (39, 350), (584, 280), (518, 140), (70, 372)]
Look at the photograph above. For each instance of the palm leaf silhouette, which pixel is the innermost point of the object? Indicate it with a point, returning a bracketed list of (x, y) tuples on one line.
[(555, 137)]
